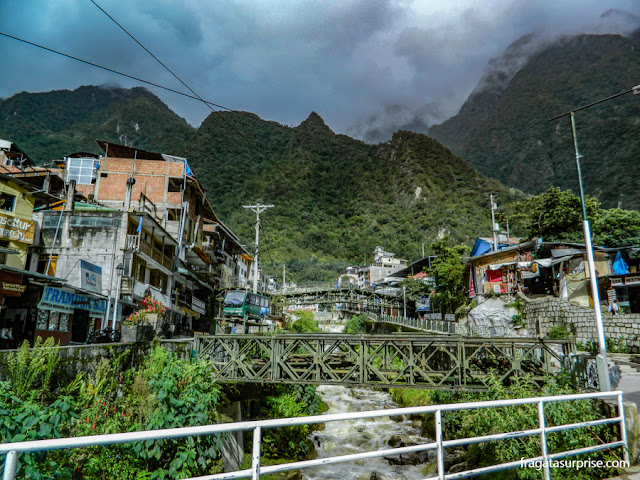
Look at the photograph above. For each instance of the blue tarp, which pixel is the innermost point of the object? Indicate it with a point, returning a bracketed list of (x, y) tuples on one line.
[(620, 267), (481, 246)]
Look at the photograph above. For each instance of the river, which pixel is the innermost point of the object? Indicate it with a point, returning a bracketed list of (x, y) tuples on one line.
[(343, 438)]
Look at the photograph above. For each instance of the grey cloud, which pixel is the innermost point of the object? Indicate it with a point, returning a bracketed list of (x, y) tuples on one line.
[(369, 68)]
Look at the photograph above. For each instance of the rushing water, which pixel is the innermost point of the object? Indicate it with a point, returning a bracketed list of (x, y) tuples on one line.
[(343, 438)]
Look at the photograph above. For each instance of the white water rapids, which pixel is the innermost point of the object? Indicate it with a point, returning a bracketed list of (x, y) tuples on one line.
[(354, 436), (347, 437)]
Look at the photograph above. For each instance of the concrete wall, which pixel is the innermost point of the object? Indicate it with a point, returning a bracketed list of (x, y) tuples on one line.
[(87, 358), (545, 313)]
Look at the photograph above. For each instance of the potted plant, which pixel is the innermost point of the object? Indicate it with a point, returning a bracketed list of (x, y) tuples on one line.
[(139, 326)]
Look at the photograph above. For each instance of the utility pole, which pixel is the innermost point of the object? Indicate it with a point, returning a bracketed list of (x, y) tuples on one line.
[(258, 209), (284, 278), (601, 359), (494, 226)]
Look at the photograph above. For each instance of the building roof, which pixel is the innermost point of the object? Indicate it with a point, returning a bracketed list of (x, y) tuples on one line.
[(122, 151), (92, 207)]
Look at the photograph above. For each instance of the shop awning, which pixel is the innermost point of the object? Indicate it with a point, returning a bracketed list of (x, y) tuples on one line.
[(34, 275), (543, 262)]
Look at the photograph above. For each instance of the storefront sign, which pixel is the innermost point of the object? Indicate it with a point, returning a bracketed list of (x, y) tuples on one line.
[(616, 282), (60, 300), (16, 229), (632, 280), (12, 287), (90, 276), (198, 305)]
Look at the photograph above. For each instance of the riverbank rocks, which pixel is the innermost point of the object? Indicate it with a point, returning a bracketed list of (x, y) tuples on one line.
[(494, 315), (413, 458)]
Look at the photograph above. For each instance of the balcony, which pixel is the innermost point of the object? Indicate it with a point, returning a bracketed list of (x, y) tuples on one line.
[(139, 289), (136, 244)]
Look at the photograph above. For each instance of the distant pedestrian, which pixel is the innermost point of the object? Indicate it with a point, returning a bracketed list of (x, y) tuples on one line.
[(614, 308)]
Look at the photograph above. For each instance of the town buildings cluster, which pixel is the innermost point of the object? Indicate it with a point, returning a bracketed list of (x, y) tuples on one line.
[(85, 240)]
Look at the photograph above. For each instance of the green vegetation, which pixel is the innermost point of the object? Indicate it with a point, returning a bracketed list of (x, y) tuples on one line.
[(356, 325), (473, 423), (448, 271), (163, 392), (559, 332), (291, 401), (505, 130), (53, 124), (334, 205), (556, 215), (305, 323)]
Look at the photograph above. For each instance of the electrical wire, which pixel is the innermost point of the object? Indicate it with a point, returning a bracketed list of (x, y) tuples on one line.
[(162, 87), (178, 78)]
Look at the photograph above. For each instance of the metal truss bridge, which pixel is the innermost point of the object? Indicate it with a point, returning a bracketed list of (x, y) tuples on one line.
[(397, 360), (327, 294)]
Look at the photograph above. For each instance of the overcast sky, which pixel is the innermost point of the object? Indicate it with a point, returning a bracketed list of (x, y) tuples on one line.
[(367, 67)]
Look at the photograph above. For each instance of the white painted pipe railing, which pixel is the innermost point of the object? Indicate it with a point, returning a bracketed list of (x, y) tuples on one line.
[(12, 450)]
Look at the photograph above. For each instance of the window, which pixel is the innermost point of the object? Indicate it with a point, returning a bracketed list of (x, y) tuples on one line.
[(175, 185), (82, 170), (7, 202)]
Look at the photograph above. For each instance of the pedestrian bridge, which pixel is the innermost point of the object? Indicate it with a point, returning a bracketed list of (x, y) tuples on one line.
[(397, 360)]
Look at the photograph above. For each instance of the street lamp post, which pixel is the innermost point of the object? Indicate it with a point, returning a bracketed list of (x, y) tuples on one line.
[(119, 273), (601, 359), (404, 297)]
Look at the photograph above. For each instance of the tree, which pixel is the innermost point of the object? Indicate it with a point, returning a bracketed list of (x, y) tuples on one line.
[(448, 271), (553, 215), (617, 228), (556, 215)]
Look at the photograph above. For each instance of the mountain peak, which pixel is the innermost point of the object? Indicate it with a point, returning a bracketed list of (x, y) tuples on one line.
[(315, 124)]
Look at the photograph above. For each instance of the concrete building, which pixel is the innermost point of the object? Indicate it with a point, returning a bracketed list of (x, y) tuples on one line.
[(383, 266)]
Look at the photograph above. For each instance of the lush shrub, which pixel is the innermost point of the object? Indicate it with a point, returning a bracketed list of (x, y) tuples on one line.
[(559, 332), (290, 442), (356, 325), (306, 323), (164, 392), (471, 423)]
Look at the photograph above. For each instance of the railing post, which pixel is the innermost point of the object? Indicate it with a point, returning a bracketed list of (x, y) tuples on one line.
[(10, 465), (543, 441), (255, 464), (623, 430), (440, 450)]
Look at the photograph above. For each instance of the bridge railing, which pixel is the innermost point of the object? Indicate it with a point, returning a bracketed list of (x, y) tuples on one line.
[(446, 326), (439, 362), (12, 450)]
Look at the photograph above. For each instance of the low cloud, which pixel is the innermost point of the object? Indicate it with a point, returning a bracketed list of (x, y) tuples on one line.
[(368, 68)]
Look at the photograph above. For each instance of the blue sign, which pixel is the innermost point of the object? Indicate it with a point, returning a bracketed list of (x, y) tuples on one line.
[(66, 301), (91, 276)]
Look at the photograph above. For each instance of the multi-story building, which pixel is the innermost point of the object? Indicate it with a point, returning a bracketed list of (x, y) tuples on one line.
[(384, 265), (162, 232)]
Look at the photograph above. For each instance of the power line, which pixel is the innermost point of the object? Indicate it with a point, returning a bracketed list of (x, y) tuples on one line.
[(237, 112), (176, 76)]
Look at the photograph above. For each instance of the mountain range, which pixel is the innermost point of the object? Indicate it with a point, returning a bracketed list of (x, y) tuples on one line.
[(505, 128), (337, 198)]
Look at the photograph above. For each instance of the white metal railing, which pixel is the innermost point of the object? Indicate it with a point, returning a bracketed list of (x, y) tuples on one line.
[(12, 450), (133, 242)]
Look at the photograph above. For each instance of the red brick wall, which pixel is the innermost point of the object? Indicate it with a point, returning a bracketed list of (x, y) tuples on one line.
[(150, 175)]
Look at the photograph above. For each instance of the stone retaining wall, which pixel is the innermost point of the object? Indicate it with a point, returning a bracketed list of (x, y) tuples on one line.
[(544, 313), (87, 358)]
